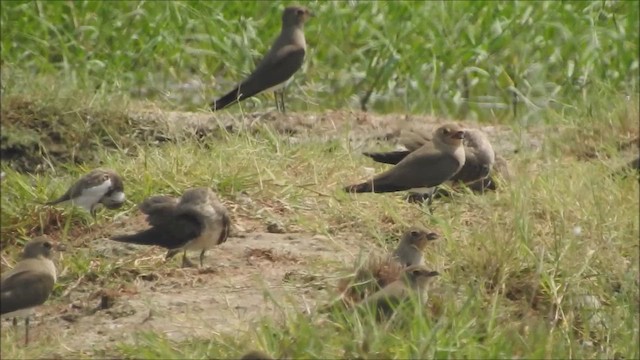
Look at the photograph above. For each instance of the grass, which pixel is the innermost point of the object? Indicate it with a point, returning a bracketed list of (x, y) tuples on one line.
[(465, 58), (520, 268)]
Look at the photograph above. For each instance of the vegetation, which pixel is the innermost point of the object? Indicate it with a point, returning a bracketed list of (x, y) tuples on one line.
[(545, 267)]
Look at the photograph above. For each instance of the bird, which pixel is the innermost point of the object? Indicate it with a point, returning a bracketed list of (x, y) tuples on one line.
[(428, 166), (99, 186), (479, 155), (411, 245), (29, 283), (197, 221), (256, 355), (413, 281), (283, 60), (480, 159)]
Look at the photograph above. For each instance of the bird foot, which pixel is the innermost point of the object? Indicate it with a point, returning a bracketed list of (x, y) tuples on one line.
[(186, 263)]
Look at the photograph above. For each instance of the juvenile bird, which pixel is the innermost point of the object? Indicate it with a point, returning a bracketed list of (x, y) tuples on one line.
[(428, 166), (413, 282), (29, 283), (100, 186), (283, 59), (411, 246), (198, 221)]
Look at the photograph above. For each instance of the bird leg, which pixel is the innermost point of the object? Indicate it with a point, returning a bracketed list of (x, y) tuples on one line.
[(275, 96), (26, 330), (202, 257), (185, 261), (282, 99)]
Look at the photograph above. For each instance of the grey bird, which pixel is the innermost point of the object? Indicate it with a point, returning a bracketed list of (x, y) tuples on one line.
[(480, 160), (197, 221), (479, 154), (29, 283), (411, 246), (99, 186), (413, 282), (283, 60), (428, 166)]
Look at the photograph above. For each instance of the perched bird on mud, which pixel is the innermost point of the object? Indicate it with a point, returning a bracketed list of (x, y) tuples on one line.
[(413, 282), (29, 283), (197, 221), (100, 186), (411, 246), (283, 59), (256, 355), (428, 166)]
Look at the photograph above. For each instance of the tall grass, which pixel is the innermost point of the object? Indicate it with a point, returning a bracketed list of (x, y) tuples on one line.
[(469, 59)]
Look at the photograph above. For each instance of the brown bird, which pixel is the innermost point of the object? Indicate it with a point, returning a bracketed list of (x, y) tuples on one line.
[(413, 282), (429, 166), (29, 283), (198, 221), (411, 246), (256, 355), (283, 59), (480, 160), (100, 186)]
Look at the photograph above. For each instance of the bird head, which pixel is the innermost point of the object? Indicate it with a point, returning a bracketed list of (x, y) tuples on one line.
[(450, 134), (418, 237), (38, 247), (419, 276), (295, 16)]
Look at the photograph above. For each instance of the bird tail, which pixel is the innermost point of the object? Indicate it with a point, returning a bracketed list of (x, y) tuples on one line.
[(151, 236), (392, 157), (231, 97), (370, 187), (358, 188)]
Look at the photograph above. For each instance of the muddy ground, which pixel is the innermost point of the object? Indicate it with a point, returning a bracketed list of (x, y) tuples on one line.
[(231, 290)]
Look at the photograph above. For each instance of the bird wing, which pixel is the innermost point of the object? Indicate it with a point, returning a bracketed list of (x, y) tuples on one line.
[(274, 69), (473, 169), (171, 232), (420, 169), (24, 289), (392, 157), (415, 139), (158, 208)]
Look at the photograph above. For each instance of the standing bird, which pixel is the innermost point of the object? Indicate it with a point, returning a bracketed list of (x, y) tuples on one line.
[(283, 59), (413, 282), (428, 166), (100, 186), (198, 221), (29, 283), (411, 246)]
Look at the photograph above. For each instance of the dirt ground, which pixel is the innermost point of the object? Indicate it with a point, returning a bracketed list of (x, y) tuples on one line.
[(246, 278)]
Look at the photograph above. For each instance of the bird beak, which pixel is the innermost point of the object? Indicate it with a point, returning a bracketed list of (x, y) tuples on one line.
[(60, 247), (458, 135), (432, 236)]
